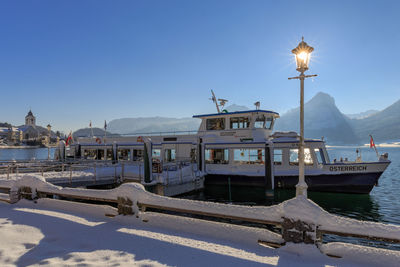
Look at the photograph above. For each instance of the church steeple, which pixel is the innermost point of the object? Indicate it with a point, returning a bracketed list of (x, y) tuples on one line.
[(30, 119)]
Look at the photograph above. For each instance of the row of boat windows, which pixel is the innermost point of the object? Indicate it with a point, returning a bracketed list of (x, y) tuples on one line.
[(107, 154), (211, 156), (239, 123), (257, 156), (133, 154)]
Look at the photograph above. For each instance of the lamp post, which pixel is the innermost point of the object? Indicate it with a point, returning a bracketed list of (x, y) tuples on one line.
[(302, 55), (48, 143)]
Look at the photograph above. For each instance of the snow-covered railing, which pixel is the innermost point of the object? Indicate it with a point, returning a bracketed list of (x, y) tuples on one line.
[(301, 220)]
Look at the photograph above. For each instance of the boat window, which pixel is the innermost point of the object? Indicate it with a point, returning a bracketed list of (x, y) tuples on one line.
[(240, 122), (248, 156), (110, 155), (90, 154), (278, 153), (263, 122), (100, 154), (169, 155), (319, 153), (294, 157), (156, 153), (124, 154), (216, 156), (137, 155), (215, 124)]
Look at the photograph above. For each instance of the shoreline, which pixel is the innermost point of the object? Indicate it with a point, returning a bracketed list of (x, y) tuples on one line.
[(24, 147)]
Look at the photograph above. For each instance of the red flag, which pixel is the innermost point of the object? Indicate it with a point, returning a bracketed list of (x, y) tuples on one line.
[(69, 139), (371, 142)]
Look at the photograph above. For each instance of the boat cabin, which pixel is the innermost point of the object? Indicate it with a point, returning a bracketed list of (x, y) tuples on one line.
[(251, 125)]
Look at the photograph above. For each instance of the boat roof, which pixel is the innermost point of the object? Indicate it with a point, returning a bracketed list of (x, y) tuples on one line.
[(276, 114)]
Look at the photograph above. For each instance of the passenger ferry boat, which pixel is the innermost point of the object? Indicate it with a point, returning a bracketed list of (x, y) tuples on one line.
[(238, 148)]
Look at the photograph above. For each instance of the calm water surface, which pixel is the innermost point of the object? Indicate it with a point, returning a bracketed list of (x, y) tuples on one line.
[(25, 154), (381, 205)]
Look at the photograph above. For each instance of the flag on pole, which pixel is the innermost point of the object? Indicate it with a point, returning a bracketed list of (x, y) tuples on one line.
[(372, 145), (105, 125), (69, 139), (371, 142), (91, 129)]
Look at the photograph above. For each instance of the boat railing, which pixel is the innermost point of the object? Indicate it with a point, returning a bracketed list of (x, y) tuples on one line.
[(164, 133)]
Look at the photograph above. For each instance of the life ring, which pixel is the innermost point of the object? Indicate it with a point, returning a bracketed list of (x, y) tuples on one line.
[(140, 139), (98, 140)]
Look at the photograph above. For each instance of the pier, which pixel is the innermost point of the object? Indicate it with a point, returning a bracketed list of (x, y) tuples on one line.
[(296, 221), (173, 179)]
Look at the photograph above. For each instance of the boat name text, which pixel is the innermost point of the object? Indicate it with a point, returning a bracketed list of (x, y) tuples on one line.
[(347, 168)]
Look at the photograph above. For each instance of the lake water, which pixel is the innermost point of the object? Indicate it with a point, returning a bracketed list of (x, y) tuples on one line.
[(381, 205), (25, 154)]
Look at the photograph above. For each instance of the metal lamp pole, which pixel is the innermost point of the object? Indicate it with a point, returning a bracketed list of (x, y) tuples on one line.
[(302, 53)]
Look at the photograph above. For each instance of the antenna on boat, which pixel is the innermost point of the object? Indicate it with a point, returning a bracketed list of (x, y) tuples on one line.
[(214, 99), (221, 101), (257, 104)]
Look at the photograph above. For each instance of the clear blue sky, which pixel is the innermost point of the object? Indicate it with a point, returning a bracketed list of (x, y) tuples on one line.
[(76, 61)]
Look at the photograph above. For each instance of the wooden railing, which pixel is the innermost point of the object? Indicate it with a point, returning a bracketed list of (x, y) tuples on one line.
[(292, 229)]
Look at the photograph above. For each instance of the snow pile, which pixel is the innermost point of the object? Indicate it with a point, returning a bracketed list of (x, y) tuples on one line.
[(34, 181), (299, 208), (366, 256), (59, 233)]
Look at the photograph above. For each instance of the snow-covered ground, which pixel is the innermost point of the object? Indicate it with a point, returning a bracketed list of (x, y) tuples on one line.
[(55, 232)]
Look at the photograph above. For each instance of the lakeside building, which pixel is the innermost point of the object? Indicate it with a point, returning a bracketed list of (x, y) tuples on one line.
[(29, 133)]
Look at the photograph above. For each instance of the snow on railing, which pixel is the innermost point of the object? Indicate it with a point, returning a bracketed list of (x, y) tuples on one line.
[(301, 220)]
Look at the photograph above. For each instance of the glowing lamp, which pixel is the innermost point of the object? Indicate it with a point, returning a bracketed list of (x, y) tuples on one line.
[(302, 54)]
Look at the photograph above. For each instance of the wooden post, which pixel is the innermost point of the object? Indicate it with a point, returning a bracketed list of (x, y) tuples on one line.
[(115, 173), (95, 173), (297, 231), (42, 171), (122, 171), (70, 175), (180, 173), (125, 206)]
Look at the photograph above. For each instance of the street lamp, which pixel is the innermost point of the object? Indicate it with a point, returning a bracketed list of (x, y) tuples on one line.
[(48, 143), (302, 54)]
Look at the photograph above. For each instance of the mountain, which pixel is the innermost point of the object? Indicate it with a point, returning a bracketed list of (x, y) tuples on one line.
[(321, 118), (87, 132), (384, 125), (152, 124), (362, 115)]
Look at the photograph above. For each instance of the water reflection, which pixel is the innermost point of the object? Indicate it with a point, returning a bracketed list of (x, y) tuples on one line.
[(361, 207), (25, 154)]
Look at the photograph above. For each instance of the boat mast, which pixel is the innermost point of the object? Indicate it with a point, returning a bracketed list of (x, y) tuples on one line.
[(214, 99), (221, 104)]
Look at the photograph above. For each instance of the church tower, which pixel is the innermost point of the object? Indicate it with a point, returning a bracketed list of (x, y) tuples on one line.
[(30, 119)]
